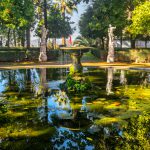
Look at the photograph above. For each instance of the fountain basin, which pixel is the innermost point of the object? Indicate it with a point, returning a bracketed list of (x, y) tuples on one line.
[(76, 55)]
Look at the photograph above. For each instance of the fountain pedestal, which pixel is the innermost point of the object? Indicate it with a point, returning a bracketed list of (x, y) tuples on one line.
[(76, 82), (76, 55), (76, 62)]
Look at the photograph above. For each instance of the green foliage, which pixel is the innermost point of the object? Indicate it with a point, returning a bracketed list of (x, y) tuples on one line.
[(95, 21), (85, 19), (78, 84), (16, 13), (16, 16), (73, 70), (129, 18), (132, 135), (81, 41), (3, 107), (57, 25), (67, 6), (136, 133), (141, 19)]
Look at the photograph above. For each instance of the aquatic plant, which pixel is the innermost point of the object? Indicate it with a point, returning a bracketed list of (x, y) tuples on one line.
[(134, 135), (77, 84)]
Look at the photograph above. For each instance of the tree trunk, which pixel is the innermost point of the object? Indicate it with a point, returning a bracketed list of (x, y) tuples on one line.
[(45, 13), (54, 43), (14, 37), (28, 37), (28, 80), (1, 41), (22, 41), (146, 43), (8, 39), (63, 37), (63, 41), (121, 40), (132, 42), (103, 47)]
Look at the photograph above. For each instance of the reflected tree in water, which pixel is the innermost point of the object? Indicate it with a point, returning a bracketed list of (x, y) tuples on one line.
[(67, 139), (14, 80), (43, 82)]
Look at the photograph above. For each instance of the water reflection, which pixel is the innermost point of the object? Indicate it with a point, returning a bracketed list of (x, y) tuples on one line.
[(67, 139), (123, 79), (59, 106), (3, 83), (33, 107), (35, 80), (109, 85)]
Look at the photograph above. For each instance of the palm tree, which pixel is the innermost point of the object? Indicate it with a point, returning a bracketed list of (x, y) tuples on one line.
[(81, 41), (66, 6)]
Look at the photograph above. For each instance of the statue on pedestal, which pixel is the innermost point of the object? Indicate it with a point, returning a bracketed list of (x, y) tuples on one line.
[(110, 57), (43, 56)]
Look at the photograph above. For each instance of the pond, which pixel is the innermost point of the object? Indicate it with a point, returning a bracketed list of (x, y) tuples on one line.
[(36, 113)]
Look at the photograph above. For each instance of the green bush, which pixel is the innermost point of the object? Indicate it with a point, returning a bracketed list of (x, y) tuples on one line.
[(80, 84)]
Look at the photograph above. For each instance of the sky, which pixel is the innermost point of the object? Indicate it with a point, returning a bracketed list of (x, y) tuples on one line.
[(76, 17)]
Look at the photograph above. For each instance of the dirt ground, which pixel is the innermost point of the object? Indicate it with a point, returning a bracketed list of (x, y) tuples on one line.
[(21, 65)]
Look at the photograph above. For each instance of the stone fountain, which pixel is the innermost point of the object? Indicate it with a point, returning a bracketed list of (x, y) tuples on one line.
[(76, 81), (76, 55)]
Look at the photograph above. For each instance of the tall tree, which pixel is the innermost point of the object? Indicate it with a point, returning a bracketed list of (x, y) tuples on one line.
[(95, 21), (66, 6), (57, 25), (16, 14)]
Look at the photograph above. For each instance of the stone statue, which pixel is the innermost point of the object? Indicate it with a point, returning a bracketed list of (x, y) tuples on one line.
[(43, 56), (110, 57)]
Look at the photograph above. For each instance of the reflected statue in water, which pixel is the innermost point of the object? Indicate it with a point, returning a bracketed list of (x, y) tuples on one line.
[(123, 79), (109, 81)]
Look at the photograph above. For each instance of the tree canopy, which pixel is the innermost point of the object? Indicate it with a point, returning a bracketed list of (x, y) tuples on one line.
[(129, 18), (141, 19), (57, 25), (16, 13)]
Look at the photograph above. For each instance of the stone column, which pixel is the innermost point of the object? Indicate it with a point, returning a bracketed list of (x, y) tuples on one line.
[(76, 66)]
